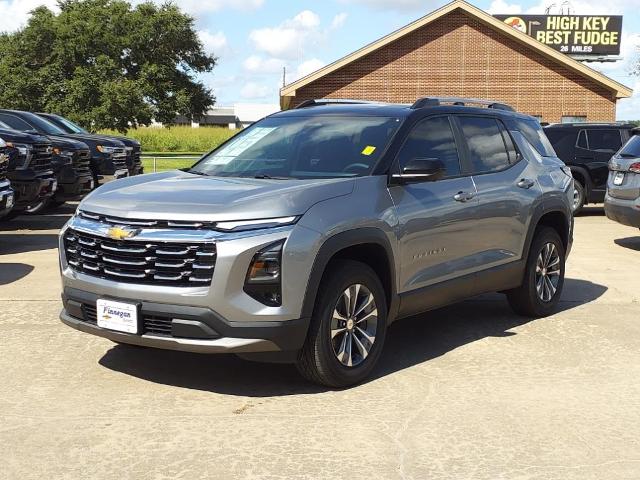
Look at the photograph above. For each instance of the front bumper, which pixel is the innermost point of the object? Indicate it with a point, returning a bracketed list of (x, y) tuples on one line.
[(7, 198), (189, 329), (626, 212), (74, 190), (29, 192)]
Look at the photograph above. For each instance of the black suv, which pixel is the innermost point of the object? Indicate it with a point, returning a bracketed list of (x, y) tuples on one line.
[(108, 156), (134, 162), (30, 170), (587, 148), (6, 192)]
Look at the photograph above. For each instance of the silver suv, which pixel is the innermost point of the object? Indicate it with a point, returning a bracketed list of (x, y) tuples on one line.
[(304, 236)]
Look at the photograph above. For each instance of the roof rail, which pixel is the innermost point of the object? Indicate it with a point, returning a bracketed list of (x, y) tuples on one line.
[(334, 101), (435, 101)]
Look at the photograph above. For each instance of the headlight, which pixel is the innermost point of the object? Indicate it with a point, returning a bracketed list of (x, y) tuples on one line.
[(2, 143), (103, 149), (67, 155), (25, 154), (243, 225), (264, 277)]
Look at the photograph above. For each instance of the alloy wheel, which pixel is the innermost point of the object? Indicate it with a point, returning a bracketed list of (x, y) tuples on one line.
[(548, 272), (354, 325), (577, 199)]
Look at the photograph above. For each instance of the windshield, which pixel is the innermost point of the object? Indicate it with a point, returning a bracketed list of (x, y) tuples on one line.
[(43, 126), (67, 125), (631, 148), (303, 147)]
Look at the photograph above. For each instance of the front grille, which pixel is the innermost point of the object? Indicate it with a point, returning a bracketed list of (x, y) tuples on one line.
[(151, 324), (41, 157), (119, 159), (4, 164), (108, 219), (82, 162), (152, 263)]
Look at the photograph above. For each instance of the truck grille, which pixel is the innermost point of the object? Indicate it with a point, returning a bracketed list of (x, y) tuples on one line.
[(152, 263), (82, 162), (4, 164), (120, 159), (153, 325), (41, 158)]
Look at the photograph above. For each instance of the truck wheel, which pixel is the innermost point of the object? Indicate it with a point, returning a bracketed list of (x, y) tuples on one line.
[(579, 197), (540, 292), (348, 326)]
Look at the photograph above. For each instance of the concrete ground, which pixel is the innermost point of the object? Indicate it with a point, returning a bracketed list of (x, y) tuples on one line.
[(467, 392)]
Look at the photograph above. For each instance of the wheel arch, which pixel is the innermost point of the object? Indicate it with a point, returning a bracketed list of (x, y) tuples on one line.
[(368, 245)]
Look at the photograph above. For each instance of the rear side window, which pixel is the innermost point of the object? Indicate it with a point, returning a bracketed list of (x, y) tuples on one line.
[(632, 147), (582, 140), (432, 138), (487, 148), (604, 139), (15, 123), (533, 132)]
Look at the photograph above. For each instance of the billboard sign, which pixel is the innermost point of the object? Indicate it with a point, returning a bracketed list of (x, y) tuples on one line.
[(597, 35)]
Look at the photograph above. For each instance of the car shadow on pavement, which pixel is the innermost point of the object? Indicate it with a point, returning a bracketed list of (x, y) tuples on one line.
[(409, 342), (591, 211), (19, 243), (632, 243), (12, 272), (48, 220)]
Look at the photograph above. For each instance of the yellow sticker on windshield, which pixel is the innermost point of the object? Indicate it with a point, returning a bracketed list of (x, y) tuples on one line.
[(368, 150)]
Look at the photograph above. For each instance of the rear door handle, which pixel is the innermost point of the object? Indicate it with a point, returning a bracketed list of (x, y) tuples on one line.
[(463, 196), (525, 183)]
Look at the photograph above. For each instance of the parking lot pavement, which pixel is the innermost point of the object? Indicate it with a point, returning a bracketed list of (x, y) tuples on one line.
[(470, 391)]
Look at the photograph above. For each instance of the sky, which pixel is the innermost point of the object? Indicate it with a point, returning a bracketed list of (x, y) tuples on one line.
[(255, 40)]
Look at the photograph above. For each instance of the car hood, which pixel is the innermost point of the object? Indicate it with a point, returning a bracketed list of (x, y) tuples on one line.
[(185, 196), (17, 136), (93, 140), (67, 143)]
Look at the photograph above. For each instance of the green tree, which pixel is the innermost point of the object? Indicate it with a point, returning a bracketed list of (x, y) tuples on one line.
[(106, 64)]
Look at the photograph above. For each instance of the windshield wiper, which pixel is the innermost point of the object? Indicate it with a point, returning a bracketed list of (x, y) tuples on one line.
[(198, 172), (264, 176)]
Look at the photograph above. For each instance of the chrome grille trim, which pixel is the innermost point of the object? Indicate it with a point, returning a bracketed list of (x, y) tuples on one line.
[(148, 262)]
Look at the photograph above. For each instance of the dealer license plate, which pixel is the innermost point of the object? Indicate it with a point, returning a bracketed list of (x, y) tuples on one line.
[(118, 316), (619, 178)]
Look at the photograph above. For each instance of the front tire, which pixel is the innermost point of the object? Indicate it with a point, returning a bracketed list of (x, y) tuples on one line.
[(579, 197), (540, 292), (348, 326)]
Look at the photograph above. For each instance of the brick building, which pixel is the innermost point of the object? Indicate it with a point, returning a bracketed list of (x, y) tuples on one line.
[(460, 50)]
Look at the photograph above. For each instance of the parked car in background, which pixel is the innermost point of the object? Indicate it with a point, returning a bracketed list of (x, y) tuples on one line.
[(134, 149), (30, 171), (6, 192), (108, 156), (587, 148), (71, 167), (307, 234), (622, 202)]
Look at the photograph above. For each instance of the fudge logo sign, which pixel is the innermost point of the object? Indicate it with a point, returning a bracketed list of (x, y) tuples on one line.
[(572, 34)]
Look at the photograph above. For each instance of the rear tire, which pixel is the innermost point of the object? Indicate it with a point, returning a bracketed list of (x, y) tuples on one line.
[(540, 292), (345, 337), (579, 197)]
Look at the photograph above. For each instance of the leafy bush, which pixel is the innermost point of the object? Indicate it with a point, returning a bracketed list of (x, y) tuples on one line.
[(178, 139)]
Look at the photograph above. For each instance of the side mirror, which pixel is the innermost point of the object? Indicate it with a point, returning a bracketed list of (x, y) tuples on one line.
[(421, 170)]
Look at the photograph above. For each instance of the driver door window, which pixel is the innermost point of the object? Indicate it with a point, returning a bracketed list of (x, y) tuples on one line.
[(433, 138)]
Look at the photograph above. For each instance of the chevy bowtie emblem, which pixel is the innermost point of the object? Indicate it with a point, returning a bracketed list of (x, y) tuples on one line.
[(122, 233)]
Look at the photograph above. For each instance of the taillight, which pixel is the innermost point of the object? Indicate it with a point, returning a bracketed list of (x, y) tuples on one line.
[(635, 167)]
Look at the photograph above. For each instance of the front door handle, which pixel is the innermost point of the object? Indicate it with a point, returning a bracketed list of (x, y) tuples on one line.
[(463, 196), (526, 183)]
